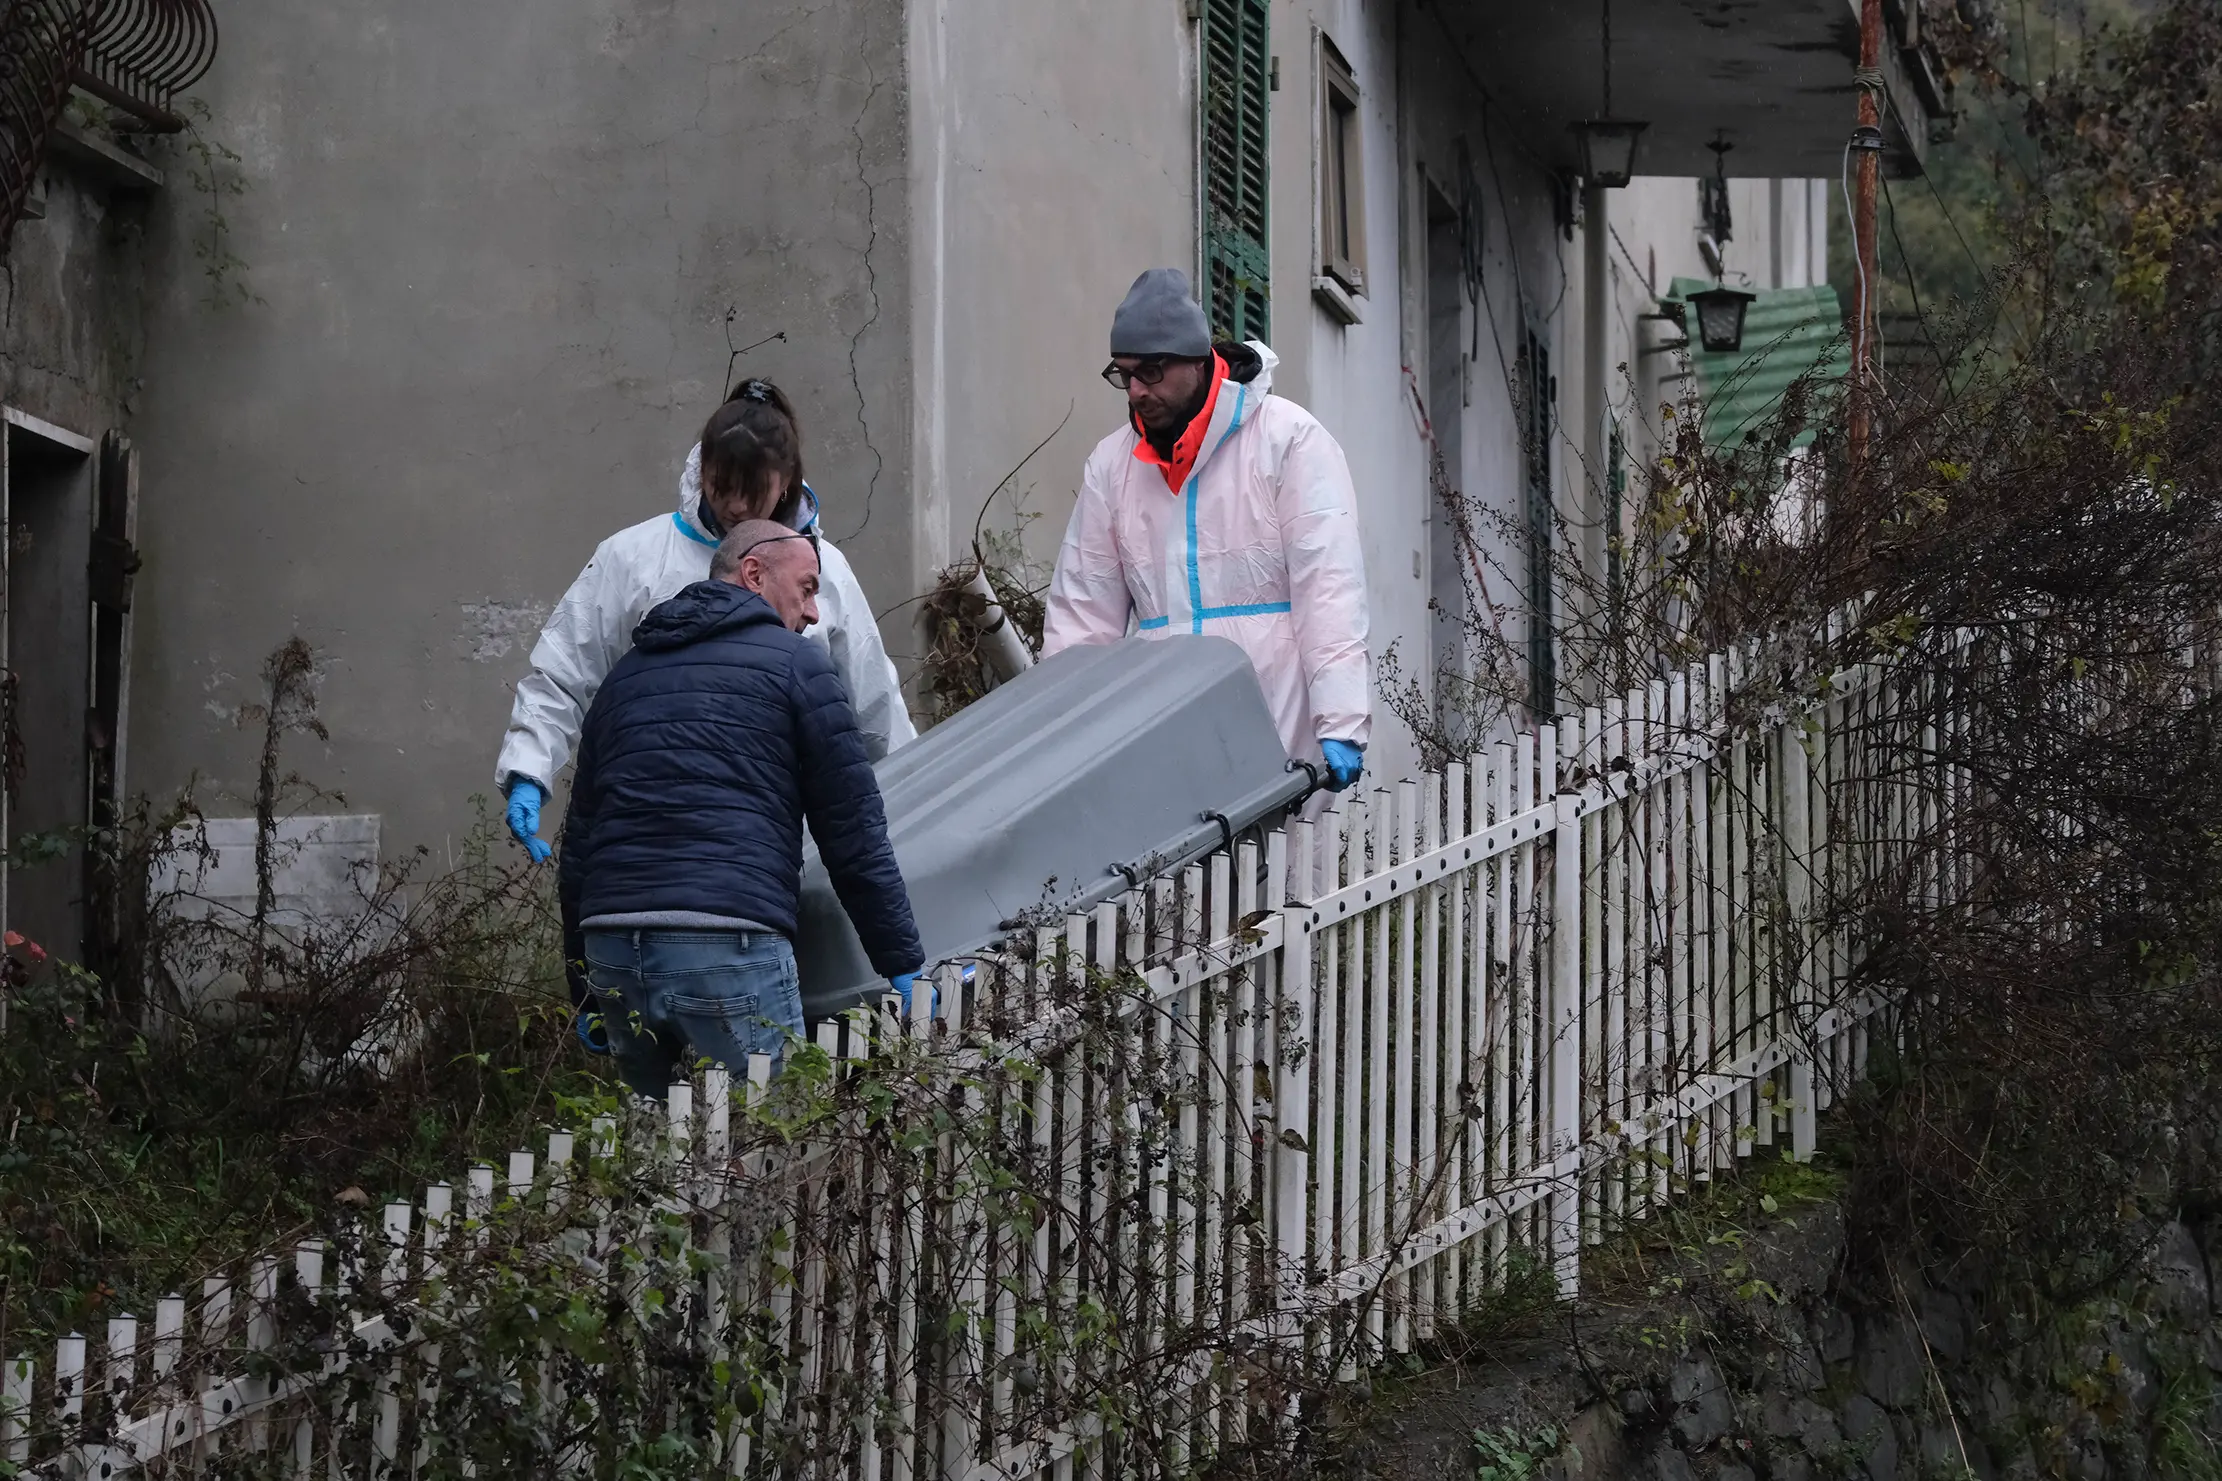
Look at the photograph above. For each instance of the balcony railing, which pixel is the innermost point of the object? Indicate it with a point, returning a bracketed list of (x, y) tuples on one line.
[(135, 55), (41, 44), (142, 53)]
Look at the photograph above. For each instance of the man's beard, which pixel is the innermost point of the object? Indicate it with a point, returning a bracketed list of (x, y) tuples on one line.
[(1161, 439)]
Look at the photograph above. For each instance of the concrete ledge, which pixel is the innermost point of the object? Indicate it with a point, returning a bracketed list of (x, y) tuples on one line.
[(1337, 300), (109, 164)]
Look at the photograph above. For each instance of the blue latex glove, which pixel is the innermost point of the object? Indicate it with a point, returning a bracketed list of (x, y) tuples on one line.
[(902, 985), (525, 799), (1345, 763), (588, 1026)]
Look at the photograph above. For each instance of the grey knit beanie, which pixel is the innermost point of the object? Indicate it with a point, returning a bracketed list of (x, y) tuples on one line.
[(1160, 317)]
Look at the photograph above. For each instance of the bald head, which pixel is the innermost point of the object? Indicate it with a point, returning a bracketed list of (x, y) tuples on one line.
[(776, 563)]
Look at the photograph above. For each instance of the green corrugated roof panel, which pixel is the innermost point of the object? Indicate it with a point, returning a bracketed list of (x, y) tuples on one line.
[(1787, 335)]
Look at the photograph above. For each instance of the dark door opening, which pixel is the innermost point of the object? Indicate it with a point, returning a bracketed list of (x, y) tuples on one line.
[(46, 648), (1538, 390), (1446, 397)]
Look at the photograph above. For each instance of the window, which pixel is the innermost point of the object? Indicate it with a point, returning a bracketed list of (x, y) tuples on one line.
[(1237, 78), (1342, 194)]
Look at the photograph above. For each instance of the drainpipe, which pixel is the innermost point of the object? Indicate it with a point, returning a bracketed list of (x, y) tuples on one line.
[(1866, 164), (1004, 649), (1596, 323)]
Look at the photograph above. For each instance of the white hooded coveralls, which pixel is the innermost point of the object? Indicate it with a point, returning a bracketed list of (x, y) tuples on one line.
[(1260, 545), (632, 571)]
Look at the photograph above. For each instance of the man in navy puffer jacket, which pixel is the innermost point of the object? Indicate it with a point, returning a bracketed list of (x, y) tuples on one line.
[(705, 751)]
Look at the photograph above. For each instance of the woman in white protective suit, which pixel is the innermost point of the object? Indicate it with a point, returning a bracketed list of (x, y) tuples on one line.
[(748, 465), (1222, 509)]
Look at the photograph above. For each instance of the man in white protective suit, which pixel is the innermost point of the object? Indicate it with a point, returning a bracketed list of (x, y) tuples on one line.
[(1221, 508), (747, 466)]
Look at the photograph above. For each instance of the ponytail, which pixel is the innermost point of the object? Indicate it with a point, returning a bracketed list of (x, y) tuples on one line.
[(749, 439)]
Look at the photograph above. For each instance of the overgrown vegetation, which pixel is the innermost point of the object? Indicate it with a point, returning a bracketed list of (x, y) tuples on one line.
[(258, 1072), (883, 1248), (962, 626), (958, 668), (2030, 542)]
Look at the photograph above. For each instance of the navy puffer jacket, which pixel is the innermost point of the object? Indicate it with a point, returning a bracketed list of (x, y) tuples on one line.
[(704, 752)]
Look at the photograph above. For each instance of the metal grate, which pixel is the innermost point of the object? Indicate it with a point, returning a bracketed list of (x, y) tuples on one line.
[(143, 53)]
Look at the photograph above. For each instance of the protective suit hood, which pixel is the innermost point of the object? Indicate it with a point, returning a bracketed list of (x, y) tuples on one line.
[(690, 501), (632, 572), (1240, 398), (1251, 364)]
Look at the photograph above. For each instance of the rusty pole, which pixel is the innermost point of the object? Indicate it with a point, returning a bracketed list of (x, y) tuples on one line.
[(1863, 226)]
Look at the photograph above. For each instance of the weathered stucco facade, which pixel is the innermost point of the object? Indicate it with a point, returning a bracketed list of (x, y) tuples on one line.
[(490, 267), (436, 298)]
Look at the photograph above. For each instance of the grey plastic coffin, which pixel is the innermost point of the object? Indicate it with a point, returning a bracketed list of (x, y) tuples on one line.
[(1035, 795)]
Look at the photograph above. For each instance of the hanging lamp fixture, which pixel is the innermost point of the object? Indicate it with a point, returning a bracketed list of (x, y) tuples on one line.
[(1720, 309), (1608, 143)]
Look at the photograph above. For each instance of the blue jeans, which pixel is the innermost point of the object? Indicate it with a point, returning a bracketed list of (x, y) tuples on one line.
[(670, 997)]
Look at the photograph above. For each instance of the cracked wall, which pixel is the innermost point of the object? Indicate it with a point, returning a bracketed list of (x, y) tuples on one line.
[(488, 264), (1053, 161)]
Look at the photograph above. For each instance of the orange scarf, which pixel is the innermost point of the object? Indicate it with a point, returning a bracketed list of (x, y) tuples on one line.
[(1190, 443)]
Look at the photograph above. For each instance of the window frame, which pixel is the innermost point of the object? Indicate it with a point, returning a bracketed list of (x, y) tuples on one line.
[(1342, 173)]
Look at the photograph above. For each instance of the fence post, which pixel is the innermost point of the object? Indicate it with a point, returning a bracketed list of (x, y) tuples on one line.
[(1797, 889), (1565, 1019), (69, 1385), (15, 1410), (1292, 1086)]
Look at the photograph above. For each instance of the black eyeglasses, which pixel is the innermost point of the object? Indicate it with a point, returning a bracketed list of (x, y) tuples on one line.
[(810, 535), (1149, 372)]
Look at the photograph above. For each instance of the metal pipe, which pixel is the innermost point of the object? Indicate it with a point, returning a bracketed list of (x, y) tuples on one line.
[(1596, 537), (1005, 650), (1868, 163)]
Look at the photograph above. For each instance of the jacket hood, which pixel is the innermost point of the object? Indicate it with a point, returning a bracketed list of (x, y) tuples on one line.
[(690, 500), (1250, 364), (1249, 382), (703, 610)]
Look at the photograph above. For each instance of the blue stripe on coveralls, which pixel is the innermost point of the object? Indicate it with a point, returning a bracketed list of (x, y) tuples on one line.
[(1253, 609), (1196, 609), (701, 539)]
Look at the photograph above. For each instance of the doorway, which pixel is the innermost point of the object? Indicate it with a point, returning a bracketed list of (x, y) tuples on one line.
[(46, 664)]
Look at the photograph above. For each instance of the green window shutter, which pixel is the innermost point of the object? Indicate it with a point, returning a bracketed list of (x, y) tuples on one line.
[(1237, 61)]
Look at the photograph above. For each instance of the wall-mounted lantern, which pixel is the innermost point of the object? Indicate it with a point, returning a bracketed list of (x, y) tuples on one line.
[(1720, 318)]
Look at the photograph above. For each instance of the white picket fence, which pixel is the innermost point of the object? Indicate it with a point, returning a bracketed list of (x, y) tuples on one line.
[(1482, 1016)]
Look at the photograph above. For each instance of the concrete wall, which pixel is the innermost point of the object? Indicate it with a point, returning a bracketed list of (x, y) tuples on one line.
[(487, 265), (70, 337), (1053, 159)]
